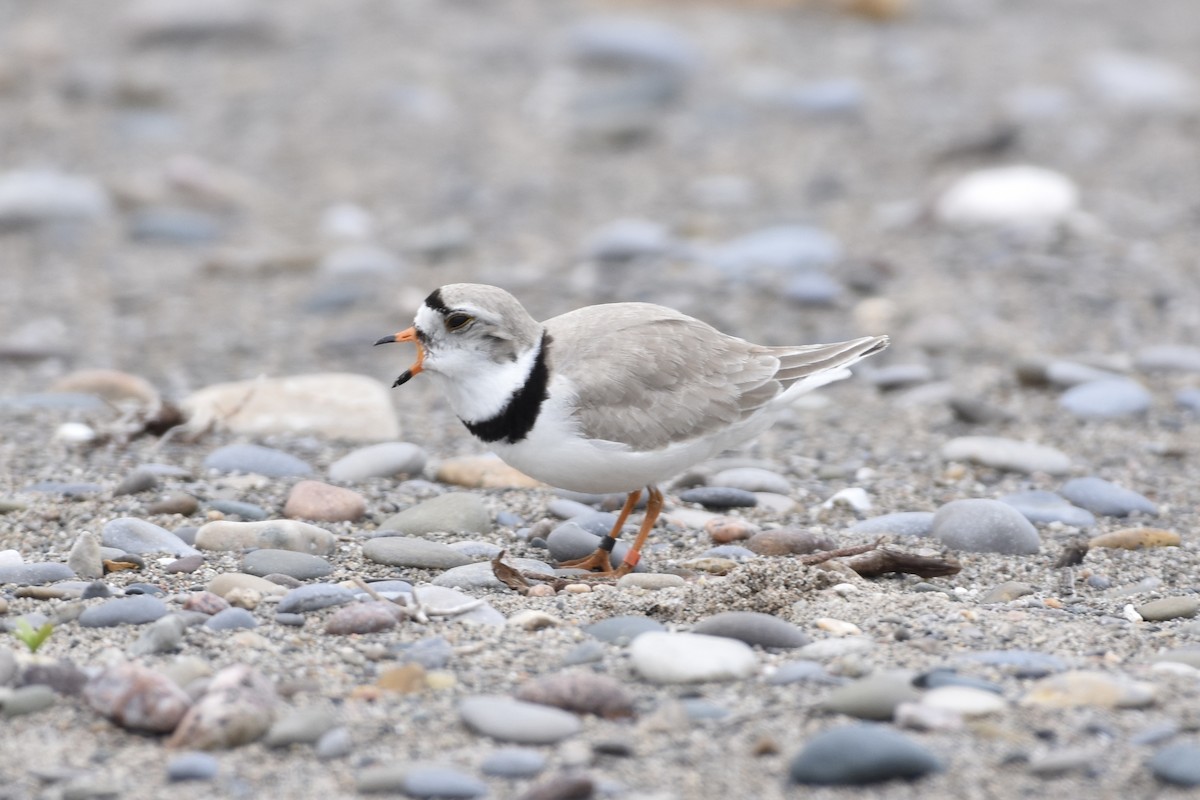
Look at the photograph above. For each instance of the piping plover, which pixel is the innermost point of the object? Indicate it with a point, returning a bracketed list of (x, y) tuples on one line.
[(608, 398)]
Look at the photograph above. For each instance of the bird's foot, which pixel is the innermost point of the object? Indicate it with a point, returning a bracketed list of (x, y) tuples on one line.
[(598, 562)]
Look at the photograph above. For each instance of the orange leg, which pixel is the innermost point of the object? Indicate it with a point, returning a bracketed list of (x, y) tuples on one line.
[(654, 504), (600, 559)]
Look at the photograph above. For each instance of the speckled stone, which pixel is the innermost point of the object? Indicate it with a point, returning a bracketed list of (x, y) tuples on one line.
[(138, 536), (985, 526), (302, 566), (319, 501), (274, 534)]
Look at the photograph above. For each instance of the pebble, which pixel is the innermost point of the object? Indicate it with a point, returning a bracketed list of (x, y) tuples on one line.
[(34, 197), (276, 534), (454, 512), (28, 699), (800, 671), (192, 766), (1080, 688), (580, 691), (237, 707), (136, 697), (315, 500), (513, 762), (369, 617), (753, 628), (1189, 399), (631, 43), (649, 581), (384, 460), (334, 743), (480, 575), (1071, 373), (789, 541), (410, 551), (873, 697), (1023, 663), (1168, 358), (256, 459), (1136, 539), (667, 658), (901, 523), (302, 566), (1085, 760), (724, 530), (763, 256), (1106, 399), (335, 406), (85, 558), (225, 583), (985, 526), (965, 701), (429, 781), (1138, 83), (569, 541), (444, 599), (484, 472), (1169, 608), (133, 535), (313, 597), (231, 619), (164, 635), (237, 508), (1106, 498), (1044, 507), (509, 720), (1006, 592), (65, 488), (623, 630), (860, 754), (138, 481), (174, 503), (752, 479), (719, 497), (301, 726), (1007, 454), (1017, 196), (134, 610), (828, 649), (1177, 764)]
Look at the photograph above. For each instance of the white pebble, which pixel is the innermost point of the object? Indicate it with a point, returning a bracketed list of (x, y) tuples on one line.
[(854, 497), (838, 627), (1130, 613), (845, 589), (75, 433)]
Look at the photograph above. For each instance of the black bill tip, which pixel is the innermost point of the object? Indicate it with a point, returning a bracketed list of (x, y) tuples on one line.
[(391, 337), (404, 378)]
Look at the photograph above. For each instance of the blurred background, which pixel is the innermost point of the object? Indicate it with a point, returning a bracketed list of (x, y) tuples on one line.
[(206, 190)]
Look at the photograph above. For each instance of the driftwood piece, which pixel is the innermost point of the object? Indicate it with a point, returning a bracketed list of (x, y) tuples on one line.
[(881, 560)]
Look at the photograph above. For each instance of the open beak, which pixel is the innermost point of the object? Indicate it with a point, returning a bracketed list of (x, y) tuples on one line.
[(409, 335)]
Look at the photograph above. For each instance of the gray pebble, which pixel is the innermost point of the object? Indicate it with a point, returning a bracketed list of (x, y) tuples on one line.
[(85, 559), (8, 666), (1044, 507), (335, 743), (1169, 608), (801, 672), (231, 619), (256, 459), (1106, 399), (753, 628), (134, 535), (301, 566), (1189, 399), (622, 630), (509, 519), (26, 700), (454, 512), (139, 480), (237, 508), (428, 781), (165, 635), (301, 726), (1178, 764), (860, 754), (388, 589), (1106, 498), (633, 44), (563, 508), (65, 488), (378, 461), (732, 551), (752, 479), (513, 762), (290, 619), (481, 576), (902, 523), (900, 376), (1168, 358), (192, 766), (719, 497), (813, 288), (596, 522), (588, 652), (699, 709), (386, 779), (625, 240), (985, 526), (509, 720), (313, 597), (1023, 663), (411, 551), (1007, 592), (761, 256), (1071, 373), (945, 676), (433, 652), (569, 541), (175, 225), (135, 610), (1007, 454), (873, 697)]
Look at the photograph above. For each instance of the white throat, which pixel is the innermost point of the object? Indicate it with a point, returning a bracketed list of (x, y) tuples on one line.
[(477, 387)]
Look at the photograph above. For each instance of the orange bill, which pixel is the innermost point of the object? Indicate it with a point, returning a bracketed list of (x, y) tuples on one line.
[(409, 335)]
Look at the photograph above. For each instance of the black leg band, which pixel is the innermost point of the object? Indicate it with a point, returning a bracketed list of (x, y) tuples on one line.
[(607, 544)]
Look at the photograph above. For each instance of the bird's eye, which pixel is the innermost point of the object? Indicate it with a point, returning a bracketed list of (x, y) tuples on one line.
[(457, 321)]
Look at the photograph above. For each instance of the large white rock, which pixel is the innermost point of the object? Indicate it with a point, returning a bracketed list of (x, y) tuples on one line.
[(1008, 197), (662, 657), (334, 405)]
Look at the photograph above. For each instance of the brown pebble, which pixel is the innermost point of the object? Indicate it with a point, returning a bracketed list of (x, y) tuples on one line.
[(244, 597), (187, 564), (564, 786), (238, 707), (205, 603), (137, 697), (113, 385), (788, 541), (483, 472), (582, 692), (540, 590), (322, 502), (361, 618), (724, 530), (404, 679), (1136, 539), (180, 503), (121, 564), (577, 588)]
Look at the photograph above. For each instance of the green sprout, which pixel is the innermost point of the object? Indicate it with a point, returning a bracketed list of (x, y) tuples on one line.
[(33, 639)]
